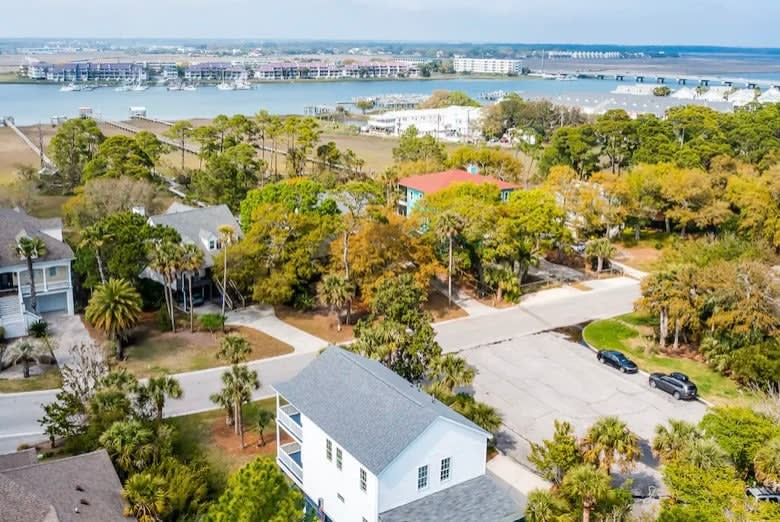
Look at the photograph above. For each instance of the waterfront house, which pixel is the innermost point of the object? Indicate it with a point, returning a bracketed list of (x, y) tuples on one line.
[(83, 488), (455, 123), (52, 271), (364, 445), (413, 188), (198, 226)]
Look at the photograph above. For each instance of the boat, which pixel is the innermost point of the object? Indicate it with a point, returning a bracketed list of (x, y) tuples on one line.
[(139, 87), (224, 86), (565, 78), (175, 87), (122, 88), (70, 88), (242, 85), (189, 88)]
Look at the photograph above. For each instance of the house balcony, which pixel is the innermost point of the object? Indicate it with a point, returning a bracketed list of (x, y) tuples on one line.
[(289, 458), (46, 286), (289, 418)]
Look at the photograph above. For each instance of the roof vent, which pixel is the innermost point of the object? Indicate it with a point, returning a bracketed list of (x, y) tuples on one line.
[(79, 488), (84, 502)]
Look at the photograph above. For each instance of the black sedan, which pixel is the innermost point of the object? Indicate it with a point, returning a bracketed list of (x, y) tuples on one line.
[(676, 384), (617, 360)]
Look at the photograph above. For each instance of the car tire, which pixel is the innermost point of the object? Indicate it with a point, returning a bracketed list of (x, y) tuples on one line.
[(622, 370), (653, 384), (676, 395)]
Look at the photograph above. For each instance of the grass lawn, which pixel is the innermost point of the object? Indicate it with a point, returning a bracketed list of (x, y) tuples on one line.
[(625, 333), (207, 436), (48, 380), (156, 353)]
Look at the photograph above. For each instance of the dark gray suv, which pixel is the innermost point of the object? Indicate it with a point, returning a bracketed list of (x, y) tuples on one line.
[(676, 384)]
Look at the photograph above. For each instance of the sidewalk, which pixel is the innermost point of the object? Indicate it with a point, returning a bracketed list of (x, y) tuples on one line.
[(263, 319), (471, 306)]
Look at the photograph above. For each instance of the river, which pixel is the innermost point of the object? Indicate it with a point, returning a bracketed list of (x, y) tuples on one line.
[(30, 103)]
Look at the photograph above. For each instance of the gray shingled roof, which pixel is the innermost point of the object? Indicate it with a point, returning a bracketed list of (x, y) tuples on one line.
[(192, 223), (366, 408), (476, 500), (55, 483), (18, 459), (21, 505), (14, 222)]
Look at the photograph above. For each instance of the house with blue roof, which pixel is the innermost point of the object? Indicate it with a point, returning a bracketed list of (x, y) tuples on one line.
[(365, 445)]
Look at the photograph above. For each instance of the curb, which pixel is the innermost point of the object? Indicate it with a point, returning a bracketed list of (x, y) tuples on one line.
[(587, 345)]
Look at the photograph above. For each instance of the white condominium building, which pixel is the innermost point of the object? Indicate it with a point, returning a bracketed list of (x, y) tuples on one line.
[(455, 123), (488, 66)]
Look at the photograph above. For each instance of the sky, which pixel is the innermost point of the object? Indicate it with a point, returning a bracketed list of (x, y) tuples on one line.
[(744, 23)]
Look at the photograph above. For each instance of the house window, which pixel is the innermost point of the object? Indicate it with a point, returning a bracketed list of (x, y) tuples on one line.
[(328, 450), (444, 474), (338, 458), (52, 271), (422, 477), (363, 480), (212, 244)]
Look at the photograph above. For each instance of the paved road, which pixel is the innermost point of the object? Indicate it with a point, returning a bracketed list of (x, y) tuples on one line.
[(535, 379), (560, 307), (539, 312)]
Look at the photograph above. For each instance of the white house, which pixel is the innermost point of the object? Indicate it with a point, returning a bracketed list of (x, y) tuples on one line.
[(364, 445), (455, 123), (52, 273), (487, 65)]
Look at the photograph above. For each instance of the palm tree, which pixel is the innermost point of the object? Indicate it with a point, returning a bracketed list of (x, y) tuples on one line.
[(264, 417), (610, 441), (223, 400), (227, 233), (95, 237), (481, 414), (447, 227), (132, 445), (672, 442), (24, 351), (31, 248), (157, 389), (146, 496), (602, 249), (234, 348), (164, 258), (706, 453), (452, 371), (192, 260), (544, 506), (767, 463), (237, 386), (335, 291), (587, 484), (114, 308)]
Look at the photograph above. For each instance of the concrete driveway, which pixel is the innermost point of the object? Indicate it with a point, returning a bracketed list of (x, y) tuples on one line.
[(535, 379)]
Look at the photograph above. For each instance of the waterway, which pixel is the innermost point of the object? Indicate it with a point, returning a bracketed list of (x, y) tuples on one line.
[(30, 103)]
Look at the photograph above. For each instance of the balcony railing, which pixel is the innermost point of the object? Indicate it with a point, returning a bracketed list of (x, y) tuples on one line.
[(289, 456), (48, 287), (290, 419)]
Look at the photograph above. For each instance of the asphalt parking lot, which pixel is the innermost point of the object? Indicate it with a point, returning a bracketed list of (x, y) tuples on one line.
[(534, 380)]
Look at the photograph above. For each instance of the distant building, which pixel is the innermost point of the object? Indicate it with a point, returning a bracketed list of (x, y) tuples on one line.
[(321, 70), (364, 445), (487, 66), (53, 280), (215, 71), (88, 71), (454, 123), (84, 488), (414, 188)]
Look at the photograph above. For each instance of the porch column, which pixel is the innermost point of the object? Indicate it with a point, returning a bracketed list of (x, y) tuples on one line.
[(278, 438), (45, 283), (19, 290)]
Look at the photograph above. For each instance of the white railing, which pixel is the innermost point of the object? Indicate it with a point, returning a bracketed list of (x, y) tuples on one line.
[(288, 463), (47, 287), (284, 418)]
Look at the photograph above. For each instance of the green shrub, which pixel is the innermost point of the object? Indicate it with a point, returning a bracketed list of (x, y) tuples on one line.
[(212, 322), (39, 329), (163, 319)]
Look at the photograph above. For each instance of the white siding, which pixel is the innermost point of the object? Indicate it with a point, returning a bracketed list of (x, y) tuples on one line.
[(465, 447), (322, 480)]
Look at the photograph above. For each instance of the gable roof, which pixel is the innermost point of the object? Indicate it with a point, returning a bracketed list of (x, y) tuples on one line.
[(477, 500), (436, 181), (365, 407), (15, 223), (192, 224), (18, 459), (63, 486)]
